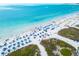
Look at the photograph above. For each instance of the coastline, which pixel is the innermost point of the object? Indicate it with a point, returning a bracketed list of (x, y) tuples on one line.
[(33, 26), (50, 33)]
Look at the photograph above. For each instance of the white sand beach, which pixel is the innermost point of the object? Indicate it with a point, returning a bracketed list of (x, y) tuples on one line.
[(44, 30)]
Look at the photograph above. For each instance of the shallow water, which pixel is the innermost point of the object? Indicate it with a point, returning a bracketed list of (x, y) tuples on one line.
[(13, 18)]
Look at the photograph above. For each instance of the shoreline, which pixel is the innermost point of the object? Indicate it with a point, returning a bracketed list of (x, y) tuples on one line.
[(42, 31), (34, 26)]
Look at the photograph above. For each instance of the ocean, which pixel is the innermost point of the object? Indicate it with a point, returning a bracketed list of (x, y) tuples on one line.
[(13, 18)]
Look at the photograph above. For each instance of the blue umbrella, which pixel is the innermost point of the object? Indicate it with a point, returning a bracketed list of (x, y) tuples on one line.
[(4, 49)]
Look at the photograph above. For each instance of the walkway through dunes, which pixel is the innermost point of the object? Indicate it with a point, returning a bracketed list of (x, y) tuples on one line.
[(71, 42)]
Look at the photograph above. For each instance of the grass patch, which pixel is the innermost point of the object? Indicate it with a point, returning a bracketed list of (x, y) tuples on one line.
[(66, 52), (30, 50), (51, 45), (64, 44), (71, 33)]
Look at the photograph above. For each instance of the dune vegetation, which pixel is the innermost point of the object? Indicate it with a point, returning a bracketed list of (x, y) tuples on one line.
[(31, 50), (71, 33), (55, 47)]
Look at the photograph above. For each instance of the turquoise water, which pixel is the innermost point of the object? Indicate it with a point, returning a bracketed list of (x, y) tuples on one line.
[(14, 16)]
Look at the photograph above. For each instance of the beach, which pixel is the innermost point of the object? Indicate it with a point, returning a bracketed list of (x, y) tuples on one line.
[(16, 19), (41, 31)]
